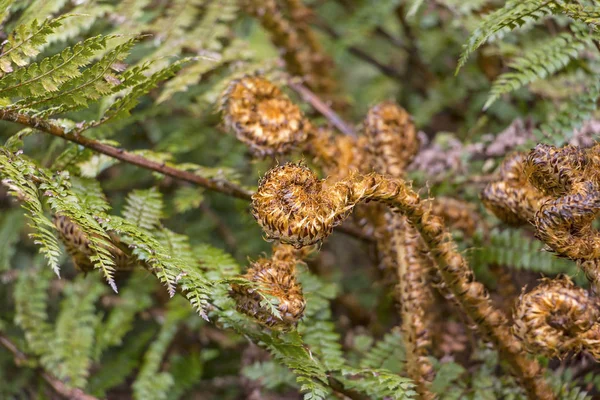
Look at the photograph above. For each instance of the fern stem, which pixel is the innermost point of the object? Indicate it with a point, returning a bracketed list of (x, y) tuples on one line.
[(56, 384)]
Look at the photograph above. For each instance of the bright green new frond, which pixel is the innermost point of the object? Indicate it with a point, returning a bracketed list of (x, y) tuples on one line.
[(570, 116), (380, 384), (387, 354), (144, 208), (151, 384), (38, 79), (11, 223), (31, 302), (513, 14), (132, 300), (24, 43), (20, 177), (546, 59), (73, 340)]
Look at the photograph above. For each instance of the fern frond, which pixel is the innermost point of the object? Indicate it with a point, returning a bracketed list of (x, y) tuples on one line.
[(150, 382), (90, 194), (186, 371), (18, 176), (72, 343), (85, 15), (546, 59), (144, 208), (388, 353), (37, 79), (40, 9), (11, 223), (187, 198), (562, 124), (25, 42), (270, 374), (31, 301), (5, 9), (513, 14), (379, 384), (133, 299)]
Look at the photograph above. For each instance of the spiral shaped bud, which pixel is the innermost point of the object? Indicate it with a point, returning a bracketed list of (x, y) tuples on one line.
[(262, 116), (556, 318), (393, 140), (275, 276), (512, 198), (292, 205)]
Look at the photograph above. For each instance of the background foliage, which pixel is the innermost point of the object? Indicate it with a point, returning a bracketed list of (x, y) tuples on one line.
[(480, 78)]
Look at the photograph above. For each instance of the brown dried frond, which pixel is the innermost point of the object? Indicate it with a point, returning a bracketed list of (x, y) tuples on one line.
[(275, 276), (557, 318), (512, 198), (457, 214), (77, 245), (393, 140), (294, 206), (263, 117)]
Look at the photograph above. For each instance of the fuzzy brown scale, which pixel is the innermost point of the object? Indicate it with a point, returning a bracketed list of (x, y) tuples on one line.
[(263, 117), (77, 245), (333, 203), (570, 177), (275, 276), (512, 198), (557, 318)]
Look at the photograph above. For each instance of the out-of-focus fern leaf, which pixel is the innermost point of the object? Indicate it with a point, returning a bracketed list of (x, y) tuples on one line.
[(364, 19), (379, 384), (187, 198), (11, 223), (73, 340), (40, 9), (513, 14), (85, 15), (24, 43), (186, 371), (5, 9), (144, 208), (133, 299), (151, 383), (544, 60), (31, 300), (120, 364), (562, 124), (388, 353), (270, 374), (89, 192)]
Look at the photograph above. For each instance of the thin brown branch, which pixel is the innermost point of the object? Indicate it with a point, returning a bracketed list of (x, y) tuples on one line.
[(319, 105), (217, 185), (56, 384)]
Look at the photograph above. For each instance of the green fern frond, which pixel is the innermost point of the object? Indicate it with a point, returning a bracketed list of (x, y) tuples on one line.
[(562, 124), (187, 198), (31, 302), (40, 9), (379, 384), (5, 9), (90, 194), (132, 300), (186, 371), (25, 42), (513, 14), (388, 353), (11, 223), (151, 383), (73, 340), (144, 208), (19, 176), (38, 79), (546, 59), (84, 17), (270, 374)]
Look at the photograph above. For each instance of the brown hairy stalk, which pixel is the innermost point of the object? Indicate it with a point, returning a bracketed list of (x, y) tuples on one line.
[(512, 198), (300, 50), (77, 245), (557, 318), (569, 177), (293, 206), (457, 214), (263, 117), (393, 143), (275, 276)]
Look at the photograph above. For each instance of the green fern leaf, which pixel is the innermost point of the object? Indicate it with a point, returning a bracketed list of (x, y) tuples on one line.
[(11, 222), (5, 9), (24, 43), (144, 208)]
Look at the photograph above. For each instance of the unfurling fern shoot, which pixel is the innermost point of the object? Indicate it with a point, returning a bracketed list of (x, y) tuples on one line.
[(294, 206)]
